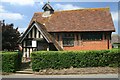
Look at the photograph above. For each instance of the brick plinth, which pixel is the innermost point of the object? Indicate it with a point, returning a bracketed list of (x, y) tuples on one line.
[(91, 45)]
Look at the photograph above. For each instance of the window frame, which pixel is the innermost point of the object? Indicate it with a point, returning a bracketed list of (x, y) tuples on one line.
[(68, 39), (29, 43), (92, 36)]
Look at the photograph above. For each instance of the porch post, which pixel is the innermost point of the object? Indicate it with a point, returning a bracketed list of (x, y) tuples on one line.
[(61, 42)]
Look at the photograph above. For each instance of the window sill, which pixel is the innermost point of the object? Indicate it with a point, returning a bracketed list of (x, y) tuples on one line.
[(68, 45), (92, 40), (28, 46)]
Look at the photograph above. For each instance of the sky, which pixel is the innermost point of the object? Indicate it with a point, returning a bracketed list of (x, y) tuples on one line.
[(20, 12)]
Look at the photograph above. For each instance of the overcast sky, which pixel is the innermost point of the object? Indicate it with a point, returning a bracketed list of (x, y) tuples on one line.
[(20, 12)]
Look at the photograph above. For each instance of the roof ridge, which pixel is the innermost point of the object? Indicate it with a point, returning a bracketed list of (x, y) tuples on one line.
[(102, 8)]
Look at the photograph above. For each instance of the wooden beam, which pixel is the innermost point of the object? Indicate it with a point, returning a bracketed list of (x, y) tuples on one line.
[(24, 43), (61, 42), (29, 35), (79, 39), (33, 32), (75, 39), (103, 36), (48, 48), (37, 33)]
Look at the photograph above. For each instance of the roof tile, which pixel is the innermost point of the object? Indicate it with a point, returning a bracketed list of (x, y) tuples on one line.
[(92, 19)]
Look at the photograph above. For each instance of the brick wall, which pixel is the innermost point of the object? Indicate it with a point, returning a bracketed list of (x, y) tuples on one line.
[(90, 45)]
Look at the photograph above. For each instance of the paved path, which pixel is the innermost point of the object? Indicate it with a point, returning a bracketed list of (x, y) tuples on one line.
[(61, 76)]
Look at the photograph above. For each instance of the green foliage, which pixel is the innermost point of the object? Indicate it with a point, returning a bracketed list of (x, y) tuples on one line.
[(76, 59), (10, 36), (11, 61)]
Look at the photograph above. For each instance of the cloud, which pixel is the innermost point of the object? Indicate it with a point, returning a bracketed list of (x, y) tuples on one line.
[(41, 3), (19, 2), (1, 9), (115, 16), (4, 14), (66, 7), (22, 29), (11, 16)]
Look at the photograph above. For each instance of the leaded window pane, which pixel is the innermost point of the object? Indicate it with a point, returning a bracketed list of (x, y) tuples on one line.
[(68, 39), (92, 36)]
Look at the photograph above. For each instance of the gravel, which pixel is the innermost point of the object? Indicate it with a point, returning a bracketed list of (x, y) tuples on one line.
[(70, 71)]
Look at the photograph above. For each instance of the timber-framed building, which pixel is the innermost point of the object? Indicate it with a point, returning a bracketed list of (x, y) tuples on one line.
[(81, 29)]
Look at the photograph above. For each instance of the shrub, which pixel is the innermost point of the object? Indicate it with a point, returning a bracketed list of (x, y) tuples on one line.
[(76, 59), (11, 61)]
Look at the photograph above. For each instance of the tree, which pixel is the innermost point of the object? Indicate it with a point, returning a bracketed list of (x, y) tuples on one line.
[(10, 36), (115, 41), (115, 38), (1, 24)]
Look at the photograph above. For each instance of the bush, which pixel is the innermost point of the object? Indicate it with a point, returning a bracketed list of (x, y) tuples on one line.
[(76, 59), (11, 61)]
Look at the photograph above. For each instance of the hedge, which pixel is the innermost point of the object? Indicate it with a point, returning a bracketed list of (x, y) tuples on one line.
[(76, 59), (11, 61)]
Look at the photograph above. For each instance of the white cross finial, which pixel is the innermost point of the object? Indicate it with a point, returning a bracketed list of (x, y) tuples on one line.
[(48, 2)]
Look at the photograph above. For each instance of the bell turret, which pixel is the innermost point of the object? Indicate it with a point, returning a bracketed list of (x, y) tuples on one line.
[(48, 10)]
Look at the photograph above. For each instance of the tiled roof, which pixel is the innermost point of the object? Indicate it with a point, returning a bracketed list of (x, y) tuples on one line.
[(92, 19), (49, 37)]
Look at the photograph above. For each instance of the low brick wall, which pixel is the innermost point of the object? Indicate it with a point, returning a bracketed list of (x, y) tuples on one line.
[(90, 45)]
